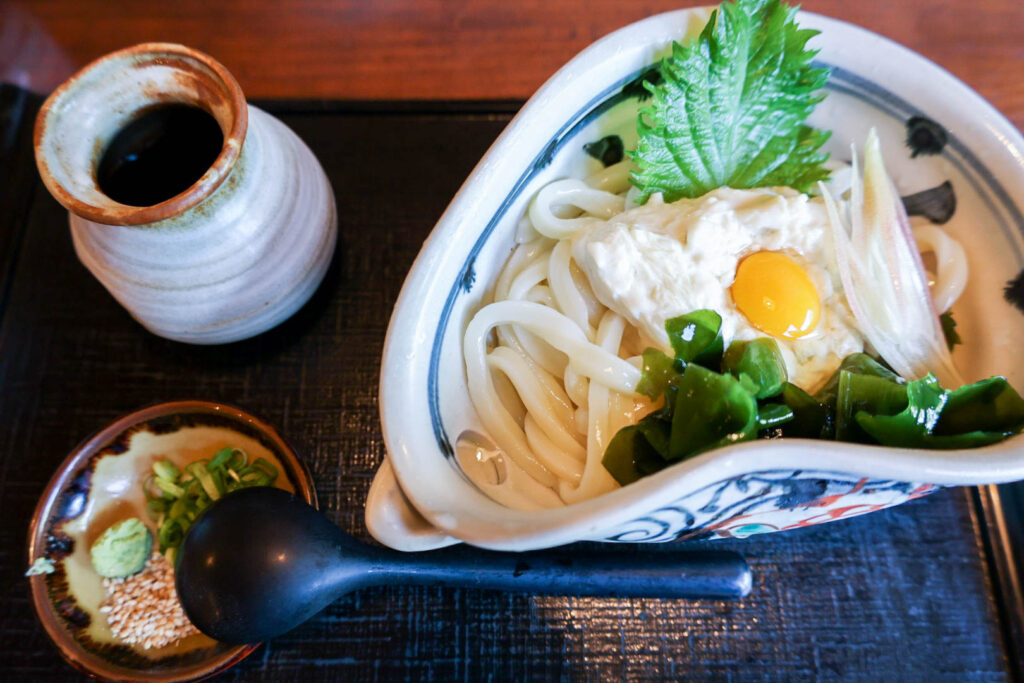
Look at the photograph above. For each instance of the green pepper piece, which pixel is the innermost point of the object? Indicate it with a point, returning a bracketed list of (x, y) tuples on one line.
[(659, 370), (761, 361), (872, 394), (772, 415), (711, 410), (697, 338), (811, 419), (976, 414), (860, 363)]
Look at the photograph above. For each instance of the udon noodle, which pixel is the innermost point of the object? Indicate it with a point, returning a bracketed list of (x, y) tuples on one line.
[(552, 371), (560, 379)]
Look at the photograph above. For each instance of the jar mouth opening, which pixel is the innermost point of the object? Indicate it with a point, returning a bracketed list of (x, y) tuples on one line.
[(79, 119)]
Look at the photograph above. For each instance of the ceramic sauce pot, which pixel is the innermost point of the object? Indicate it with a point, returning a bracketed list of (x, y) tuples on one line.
[(231, 256)]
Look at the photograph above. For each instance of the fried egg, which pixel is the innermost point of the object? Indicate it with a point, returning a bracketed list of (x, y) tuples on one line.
[(760, 258)]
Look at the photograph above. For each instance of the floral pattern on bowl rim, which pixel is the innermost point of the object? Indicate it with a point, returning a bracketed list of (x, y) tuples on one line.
[(763, 502)]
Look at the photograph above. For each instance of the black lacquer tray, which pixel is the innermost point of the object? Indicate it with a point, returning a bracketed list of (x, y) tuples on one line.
[(930, 589)]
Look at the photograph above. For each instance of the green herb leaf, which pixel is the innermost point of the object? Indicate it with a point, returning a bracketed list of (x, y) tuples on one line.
[(730, 108)]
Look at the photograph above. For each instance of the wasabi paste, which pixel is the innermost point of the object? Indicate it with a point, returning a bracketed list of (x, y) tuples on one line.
[(122, 550)]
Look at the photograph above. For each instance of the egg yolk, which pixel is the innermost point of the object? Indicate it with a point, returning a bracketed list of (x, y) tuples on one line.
[(776, 295)]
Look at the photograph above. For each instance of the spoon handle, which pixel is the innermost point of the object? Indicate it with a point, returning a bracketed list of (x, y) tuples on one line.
[(575, 571)]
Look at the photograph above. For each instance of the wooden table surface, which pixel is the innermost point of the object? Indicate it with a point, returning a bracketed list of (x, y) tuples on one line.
[(456, 49), (903, 594)]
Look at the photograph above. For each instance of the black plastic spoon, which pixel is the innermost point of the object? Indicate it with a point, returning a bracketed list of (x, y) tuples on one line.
[(261, 561)]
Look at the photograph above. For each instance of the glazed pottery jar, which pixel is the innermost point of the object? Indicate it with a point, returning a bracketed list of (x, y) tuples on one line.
[(229, 256)]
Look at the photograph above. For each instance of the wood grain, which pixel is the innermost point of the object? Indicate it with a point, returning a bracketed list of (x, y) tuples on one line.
[(900, 594), (461, 49)]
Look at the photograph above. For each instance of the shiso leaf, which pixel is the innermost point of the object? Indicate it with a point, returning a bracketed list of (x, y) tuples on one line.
[(730, 108)]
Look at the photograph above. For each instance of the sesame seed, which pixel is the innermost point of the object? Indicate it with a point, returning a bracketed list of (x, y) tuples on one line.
[(143, 609)]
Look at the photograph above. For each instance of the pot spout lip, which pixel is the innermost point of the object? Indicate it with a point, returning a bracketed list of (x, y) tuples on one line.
[(180, 74)]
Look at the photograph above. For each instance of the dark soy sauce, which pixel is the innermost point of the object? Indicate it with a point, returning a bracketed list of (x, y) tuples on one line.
[(159, 155)]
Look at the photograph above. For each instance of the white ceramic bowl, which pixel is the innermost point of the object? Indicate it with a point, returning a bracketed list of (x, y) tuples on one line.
[(752, 487)]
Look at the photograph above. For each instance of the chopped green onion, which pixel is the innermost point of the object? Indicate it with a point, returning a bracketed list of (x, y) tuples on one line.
[(175, 498), (170, 533), (238, 459), (170, 488), (252, 476), (220, 458), (177, 509), (266, 467), (149, 488), (207, 481), (194, 469), (218, 481), (166, 470), (154, 506)]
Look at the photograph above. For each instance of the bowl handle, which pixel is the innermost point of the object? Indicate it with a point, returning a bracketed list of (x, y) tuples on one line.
[(392, 520)]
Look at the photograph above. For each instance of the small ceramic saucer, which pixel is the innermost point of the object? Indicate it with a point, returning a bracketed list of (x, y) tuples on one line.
[(100, 483)]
